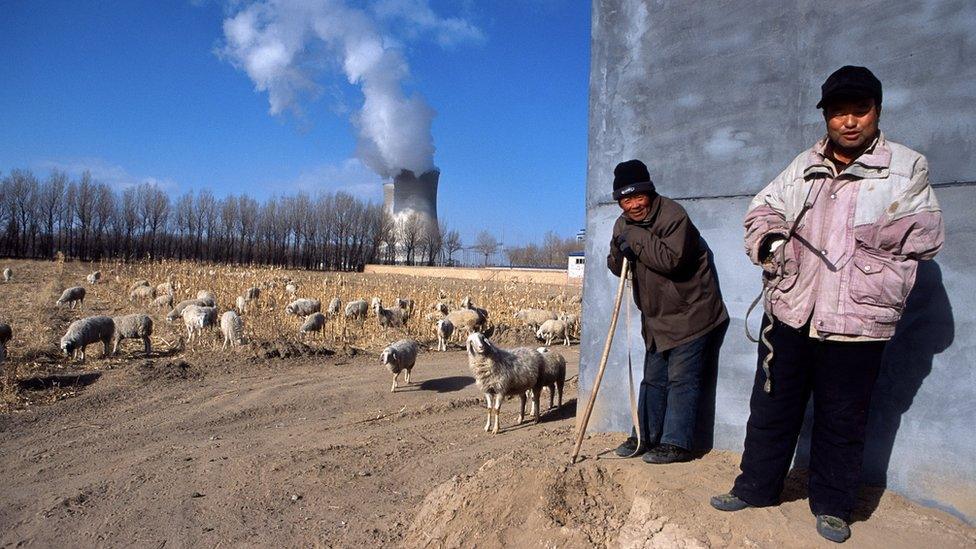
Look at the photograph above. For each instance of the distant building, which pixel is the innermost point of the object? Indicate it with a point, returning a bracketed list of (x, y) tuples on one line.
[(576, 264)]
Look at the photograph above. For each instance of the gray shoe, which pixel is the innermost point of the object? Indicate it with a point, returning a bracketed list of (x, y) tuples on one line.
[(833, 528), (728, 502), (630, 449)]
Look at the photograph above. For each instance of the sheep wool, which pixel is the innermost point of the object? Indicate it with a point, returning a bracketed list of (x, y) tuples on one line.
[(232, 328), (134, 326), (84, 332), (500, 373), (400, 356), (72, 296)]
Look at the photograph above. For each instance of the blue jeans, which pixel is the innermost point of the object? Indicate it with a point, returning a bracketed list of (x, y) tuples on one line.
[(667, 406)]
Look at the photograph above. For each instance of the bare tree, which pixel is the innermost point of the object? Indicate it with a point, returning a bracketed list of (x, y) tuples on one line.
[(486, 244), (452, 244), (411, 230)]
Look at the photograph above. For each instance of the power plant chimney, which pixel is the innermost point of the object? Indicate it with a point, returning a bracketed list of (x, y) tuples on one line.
[(414, 195)]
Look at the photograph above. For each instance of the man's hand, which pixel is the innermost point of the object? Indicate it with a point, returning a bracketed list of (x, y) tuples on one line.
[(620, 241)]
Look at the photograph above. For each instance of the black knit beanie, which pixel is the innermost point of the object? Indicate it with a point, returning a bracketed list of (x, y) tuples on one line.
[(631, 177)]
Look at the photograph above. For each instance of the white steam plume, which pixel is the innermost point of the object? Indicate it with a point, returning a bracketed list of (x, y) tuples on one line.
[(281, 43)]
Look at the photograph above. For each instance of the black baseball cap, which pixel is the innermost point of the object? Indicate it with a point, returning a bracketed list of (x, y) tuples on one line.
[(849, 82)]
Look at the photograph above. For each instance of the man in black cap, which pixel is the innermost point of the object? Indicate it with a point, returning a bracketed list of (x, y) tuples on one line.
[(839, 234), (683, 317)]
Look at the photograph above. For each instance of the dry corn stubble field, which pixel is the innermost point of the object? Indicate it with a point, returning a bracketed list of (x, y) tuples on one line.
[(280, 443)]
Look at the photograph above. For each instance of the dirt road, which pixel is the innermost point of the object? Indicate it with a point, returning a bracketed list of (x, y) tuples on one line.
[(316, 451)]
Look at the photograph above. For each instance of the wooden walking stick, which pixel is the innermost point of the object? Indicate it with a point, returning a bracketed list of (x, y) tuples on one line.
[(603, 360)]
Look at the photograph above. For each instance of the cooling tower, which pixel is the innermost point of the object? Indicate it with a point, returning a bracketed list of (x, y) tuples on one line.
[(388, 198), (416, 195)]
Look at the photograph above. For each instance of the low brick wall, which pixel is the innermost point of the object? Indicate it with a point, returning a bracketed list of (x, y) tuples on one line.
[(502, 274)]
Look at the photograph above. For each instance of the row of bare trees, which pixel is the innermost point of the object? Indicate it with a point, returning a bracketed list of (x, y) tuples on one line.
[(86, 219)]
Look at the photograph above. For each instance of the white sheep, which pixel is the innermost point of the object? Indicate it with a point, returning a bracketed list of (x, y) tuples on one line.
[(94, 277), (554, 374), (291, 288), (177, 311), (551, 329), (572, 323), (166, 288), (334, 306), (535, 317), (313, 323), (84, 332), (482, 313), (207, 295), (389, 318), (303, 307), (137, 283), (72, 296), (163, 301), (196, 318), (399, 357), (406, 304), (500, 373), (142, 293), (134, 326), (241, 303), (8, 275), (445, 329), (232, 327), (356, 309), (467, 319)]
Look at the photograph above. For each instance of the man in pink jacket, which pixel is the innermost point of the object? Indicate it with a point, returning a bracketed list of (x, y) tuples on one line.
[(839, 234)]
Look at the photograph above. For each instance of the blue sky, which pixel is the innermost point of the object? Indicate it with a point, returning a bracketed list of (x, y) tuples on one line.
[(137, 91)]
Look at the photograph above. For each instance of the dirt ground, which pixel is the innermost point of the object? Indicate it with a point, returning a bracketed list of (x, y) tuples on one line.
[(208, 449)]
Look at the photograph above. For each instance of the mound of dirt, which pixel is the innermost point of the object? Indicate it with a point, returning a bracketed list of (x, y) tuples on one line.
[(288, 349), (150, 371)]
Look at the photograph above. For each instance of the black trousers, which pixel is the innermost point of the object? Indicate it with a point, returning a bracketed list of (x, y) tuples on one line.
[(841, 376)]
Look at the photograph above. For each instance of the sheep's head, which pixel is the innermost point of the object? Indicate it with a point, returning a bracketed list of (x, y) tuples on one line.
[(67, 346), (543, 350), (388, 356), (478, 344), (290, 309)]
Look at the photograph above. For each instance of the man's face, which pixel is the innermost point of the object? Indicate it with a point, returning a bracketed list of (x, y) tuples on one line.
[(852, 124), (636, 206)]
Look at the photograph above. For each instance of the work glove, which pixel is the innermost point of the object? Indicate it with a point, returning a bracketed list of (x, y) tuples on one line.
[(620, 241)]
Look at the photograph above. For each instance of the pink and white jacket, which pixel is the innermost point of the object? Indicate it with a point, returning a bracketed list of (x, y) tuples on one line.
[(852, 257)]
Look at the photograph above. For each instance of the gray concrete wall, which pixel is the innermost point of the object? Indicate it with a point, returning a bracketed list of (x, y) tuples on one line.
[(717, 101)]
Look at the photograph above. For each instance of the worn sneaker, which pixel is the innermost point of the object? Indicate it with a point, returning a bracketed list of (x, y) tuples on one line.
[(629, 448), (728, 502), (666, 453), (833, 528)]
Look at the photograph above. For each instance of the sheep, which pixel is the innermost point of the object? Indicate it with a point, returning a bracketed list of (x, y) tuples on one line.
[(6, 334), (572, 323), (554, 374), (406, 304), (142, 293), (551, 329), (389, 318), (482, 313), (138, 283), (84, 332), (162, 301), (241, 304), (177, 311), (445, 329), (356, 309), (470, 320), (72, 296), (94, 277), (535, 317), (166, 288), (291, 288), (313, 323), (303, 307), (500, 373), (207, 295), (398, 357), (134, 326), (252, 294), (8, 275), (334, 306), (232, 327), (196, 318)]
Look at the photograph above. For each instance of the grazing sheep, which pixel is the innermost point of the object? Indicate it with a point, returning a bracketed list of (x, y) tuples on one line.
[(72, 296), (252, 294), (406, 304), (572, 323), (554, 374), (163, 301), (470, 320), (291, 288), (303, 307), (500, 373), (356, 309), (138, 283), (94, 277), (389, 318), (482, 313), (398, 357), (241, 303), (334, 306), (232, 327), (134, 326), (166, 288), (207, 295), (313, 323), (445, 329), (84, 332), (142, 293), (551, 329), (535, 317), (8, 275), (196, 318)]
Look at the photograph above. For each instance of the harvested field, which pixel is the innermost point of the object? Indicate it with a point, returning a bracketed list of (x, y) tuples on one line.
[(300, 443)]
